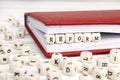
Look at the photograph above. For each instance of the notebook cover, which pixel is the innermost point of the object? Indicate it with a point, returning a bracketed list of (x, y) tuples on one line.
[(77, 17)]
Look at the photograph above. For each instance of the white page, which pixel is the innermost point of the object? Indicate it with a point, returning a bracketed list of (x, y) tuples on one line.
[(108, 41)]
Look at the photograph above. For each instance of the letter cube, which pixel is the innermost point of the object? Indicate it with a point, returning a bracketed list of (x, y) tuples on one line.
[(20, 33), (87, 37), (1, 47), (78, 37), (2, 29), (96, 37), (100, 73), (69, 38), (55, 58), (50, 38), (3, 75), (9, 36), (114, 56), (19, 73), (7, 49), (14, 63), (33, 59), (15, 23), (18, 44), (11, 19), (4, 58), (63, 61), (25, 50), (60, 38), (114, 72), (20, 58), (44, 67), (32, 76), (86, 56), (87, 68), (102, 62), (54, 75), (70, 69)]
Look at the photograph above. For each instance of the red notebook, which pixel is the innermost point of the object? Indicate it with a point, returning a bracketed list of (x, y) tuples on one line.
[(105, 22)]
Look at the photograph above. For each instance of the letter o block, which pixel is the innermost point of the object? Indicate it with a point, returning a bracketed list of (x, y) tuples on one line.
[(70, 69)]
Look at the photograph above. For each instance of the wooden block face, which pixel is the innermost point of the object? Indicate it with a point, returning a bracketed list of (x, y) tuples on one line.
[(60, 38), (9, 36), (102, 62), (33, 59), (18, 44), (3, 75), (20, 33), (55, 59), (53, 75), (19, 73), (87, 37), (15, 23), (2, 29), (87, 68), (100, 74), (25, 50), (86, 56), (96, 37), (4, 58), (20, 58), (63, 61), (78, 37), (69, 38), (70, 69), (32, 76), (44, 67), (50, 38), (8, 49), (114, 73), (11, 19), (14, 63), (114, 56)]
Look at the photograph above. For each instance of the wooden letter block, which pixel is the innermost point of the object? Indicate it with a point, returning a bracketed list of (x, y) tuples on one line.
[(60, 38), (78, 37), (114, 73), (4, 58), (33, 59), (55, 59), (70, 69), (63, 61), (102, 62), (25, 50), (87, 68), (53, 75), (18, 44), (87, 37), (44, 67), (86, 56), (114, 56), (50, 38), (100, 74), (9, 36), (96, 37), (2, 29), (69, 38), (3, 75)]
